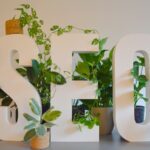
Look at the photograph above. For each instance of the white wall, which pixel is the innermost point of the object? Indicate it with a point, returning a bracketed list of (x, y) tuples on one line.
[(113, 18)]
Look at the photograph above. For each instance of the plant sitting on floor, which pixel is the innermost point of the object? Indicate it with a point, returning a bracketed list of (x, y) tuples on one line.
[(140, 80), (40, 124)]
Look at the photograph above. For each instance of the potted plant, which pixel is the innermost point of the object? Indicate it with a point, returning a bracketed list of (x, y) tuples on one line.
[(13, 27), (39, 125), (39, 74), (97, 68), (140, 81)]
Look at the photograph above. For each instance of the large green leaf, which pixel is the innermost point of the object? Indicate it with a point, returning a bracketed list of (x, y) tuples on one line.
[(36, 109), (102, 42), (40, 130), (57, 78), (83, 69), (51, 115), (30, 118), (31, 75), (142, 78), (22, 71), (30, 126), (36, 67), (29, 135)]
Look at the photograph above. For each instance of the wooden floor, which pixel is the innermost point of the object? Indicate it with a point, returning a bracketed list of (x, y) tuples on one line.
[(110, 142)]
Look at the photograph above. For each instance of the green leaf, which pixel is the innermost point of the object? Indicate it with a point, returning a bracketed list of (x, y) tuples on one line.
[(30, 126), (57, 78), (31, 75), (69, 28), (35, 66), (102, 42), (40, 130), (142, 60), (22, 71), (86, 31), (51, 115), (83, 69), (30, 118), (142, 79), (49, 124), (60, 31), (35, 107), (49, 62), (111, 53), (54, 27), (29, 135), (95, 41)]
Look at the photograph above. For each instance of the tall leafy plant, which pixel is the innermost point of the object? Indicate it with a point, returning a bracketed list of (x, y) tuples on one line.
[(39, 74)]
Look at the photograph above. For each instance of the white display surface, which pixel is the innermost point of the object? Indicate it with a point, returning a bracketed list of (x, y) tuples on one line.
[(123, 87), (62, 49), (18, 88)]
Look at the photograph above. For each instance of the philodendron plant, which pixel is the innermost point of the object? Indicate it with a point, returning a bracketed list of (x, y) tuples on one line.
[(40, 123), (97, 68)]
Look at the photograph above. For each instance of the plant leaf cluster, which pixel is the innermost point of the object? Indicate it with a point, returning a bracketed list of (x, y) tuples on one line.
[(140, 79), (97, 68), (36, 127)]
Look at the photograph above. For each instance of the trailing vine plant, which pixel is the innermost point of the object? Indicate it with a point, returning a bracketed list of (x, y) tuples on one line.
[(40, 73)]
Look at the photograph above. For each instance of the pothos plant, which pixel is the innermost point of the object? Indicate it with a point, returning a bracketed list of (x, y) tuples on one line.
[(97, 68), (140, 79), (39, 74)]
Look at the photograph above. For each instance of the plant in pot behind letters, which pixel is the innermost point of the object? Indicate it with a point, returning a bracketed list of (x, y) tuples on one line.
[(140, 81), (97, 68)]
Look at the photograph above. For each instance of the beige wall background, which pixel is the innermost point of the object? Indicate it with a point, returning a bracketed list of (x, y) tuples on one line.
[(112, 18)]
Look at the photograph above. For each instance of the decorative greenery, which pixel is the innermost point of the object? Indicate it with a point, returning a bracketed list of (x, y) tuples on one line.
[(39, 74), (36, 127), (140, 80), (97, 68), (82, 114)]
